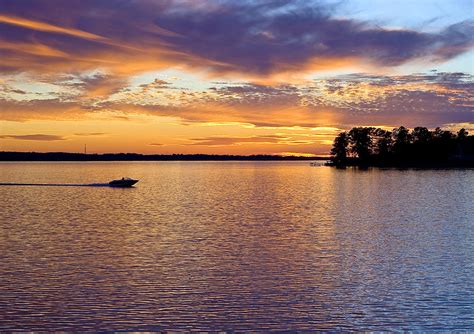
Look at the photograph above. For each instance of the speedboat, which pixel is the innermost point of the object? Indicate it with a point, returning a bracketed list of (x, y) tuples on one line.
[(123, 182)]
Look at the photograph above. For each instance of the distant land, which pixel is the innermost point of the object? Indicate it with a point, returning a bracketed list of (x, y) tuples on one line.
[(63, 156)]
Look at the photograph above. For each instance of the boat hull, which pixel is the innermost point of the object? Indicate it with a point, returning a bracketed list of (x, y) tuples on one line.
[(122, 183)]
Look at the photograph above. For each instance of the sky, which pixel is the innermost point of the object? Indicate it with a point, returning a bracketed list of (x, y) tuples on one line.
[(228, 77)]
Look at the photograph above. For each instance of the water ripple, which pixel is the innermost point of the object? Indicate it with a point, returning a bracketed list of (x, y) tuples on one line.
[(272, 246)]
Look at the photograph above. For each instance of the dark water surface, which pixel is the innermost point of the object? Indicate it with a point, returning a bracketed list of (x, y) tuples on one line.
[(236, 246)]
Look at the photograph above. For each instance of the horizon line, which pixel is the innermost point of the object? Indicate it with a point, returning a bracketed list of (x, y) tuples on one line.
[(55, 156)]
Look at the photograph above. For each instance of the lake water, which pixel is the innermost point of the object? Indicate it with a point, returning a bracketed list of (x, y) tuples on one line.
[(236, 246)]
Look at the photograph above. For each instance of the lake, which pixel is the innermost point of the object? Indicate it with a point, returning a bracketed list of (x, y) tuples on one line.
[(235, 246)]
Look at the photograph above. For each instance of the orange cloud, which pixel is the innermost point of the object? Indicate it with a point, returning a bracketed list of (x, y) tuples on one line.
[(267, 46), (41, 26), (51, 109), (226, 141), (36, 49), (33, 137)]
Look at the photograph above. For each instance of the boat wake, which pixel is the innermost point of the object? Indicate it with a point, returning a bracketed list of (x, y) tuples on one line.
[(57, 184), (124, 182)]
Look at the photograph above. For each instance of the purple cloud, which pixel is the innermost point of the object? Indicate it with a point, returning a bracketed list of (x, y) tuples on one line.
[(243, 36)]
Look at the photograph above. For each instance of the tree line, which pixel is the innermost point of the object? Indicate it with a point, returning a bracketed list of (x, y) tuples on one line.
[(369, 146), (64, 156)]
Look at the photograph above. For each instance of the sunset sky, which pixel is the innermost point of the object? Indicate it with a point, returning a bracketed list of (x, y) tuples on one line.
[(228, 77)]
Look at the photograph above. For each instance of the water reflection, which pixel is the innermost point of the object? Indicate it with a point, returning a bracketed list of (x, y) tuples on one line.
[(236, 246)]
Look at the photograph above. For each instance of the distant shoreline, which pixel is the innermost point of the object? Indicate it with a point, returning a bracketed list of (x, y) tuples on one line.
[(63, 156)]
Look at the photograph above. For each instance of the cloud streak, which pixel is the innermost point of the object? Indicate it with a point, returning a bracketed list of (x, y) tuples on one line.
[(253, 39), (90, 134), (34, 137), (41, 26), (226, 141)]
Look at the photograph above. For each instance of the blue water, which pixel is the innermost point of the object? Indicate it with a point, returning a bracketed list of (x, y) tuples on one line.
[(236, 246)]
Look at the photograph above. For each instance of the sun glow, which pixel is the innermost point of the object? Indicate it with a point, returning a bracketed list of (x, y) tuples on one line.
[(163, 82)]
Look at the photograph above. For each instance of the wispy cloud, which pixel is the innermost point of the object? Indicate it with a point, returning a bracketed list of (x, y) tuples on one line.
[(260, 139), (253, 39), (42, 109), (225, 141), (46, 27), (34, 137), (90, 134)]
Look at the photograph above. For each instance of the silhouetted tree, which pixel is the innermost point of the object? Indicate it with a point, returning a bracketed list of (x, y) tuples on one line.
[(421, 146), (383, 142), (421, 135), (339, 149), (462, 134), (401, 139), (437, 132), (401, 136), (360, 141)]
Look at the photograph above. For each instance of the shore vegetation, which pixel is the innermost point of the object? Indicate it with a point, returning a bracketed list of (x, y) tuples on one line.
[(420, 147)]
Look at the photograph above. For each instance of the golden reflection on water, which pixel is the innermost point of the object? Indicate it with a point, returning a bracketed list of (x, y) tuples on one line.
[(235, 246)]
